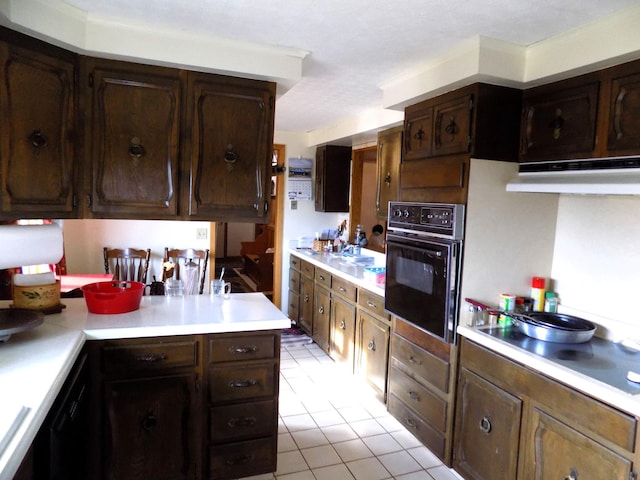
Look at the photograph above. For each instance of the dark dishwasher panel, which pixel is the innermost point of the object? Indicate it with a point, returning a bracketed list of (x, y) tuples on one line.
[(61, 444)]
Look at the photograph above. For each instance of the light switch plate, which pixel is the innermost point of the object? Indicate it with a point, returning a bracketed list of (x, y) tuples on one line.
[(294, 204)]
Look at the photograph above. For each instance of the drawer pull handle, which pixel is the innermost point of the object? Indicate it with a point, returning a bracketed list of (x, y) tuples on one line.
[(321, 277), (321, 309), (485, 425), (241, 422), (149, 422), (414, 361), (371, 304), (306, 298), (242, 460), (573, 474), (342, 289), (152, 357), (410, 423), (372, 345), (243, 383), (236, 349), (413, 396)]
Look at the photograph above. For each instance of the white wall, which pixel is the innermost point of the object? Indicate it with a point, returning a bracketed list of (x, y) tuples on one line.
[(85, 239), (596, 263), (304, 221)]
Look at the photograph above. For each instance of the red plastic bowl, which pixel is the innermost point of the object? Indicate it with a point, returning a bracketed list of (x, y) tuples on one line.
[(113, 297)]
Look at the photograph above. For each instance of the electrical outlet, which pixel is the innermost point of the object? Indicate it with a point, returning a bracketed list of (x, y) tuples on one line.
[(294, 204), (201, 233)]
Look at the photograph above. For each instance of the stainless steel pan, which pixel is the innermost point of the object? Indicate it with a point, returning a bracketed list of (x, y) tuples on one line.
[(554, 327)]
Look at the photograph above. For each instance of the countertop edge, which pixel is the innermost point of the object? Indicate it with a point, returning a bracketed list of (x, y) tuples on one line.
[(317, 260), (587, 385)]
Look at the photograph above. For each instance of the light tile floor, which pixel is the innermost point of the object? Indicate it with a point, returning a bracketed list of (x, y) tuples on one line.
[(331, 427)]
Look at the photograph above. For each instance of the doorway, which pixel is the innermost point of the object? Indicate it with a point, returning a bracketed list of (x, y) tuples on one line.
[(363, 190)]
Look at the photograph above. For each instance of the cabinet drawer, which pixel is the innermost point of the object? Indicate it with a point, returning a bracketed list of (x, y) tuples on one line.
[(242, 383), (243, 421), (237, 348), (155, 355), (242, 459), (373, 303), (344, 288), (431, 438), (307, 269), (418, 398), (295, 263), (419, 363), (294, 281), (322, 277)]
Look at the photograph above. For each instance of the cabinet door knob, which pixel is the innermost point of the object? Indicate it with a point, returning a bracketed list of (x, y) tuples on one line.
[(485, 425), (573, 474), (37, 139), (136, 150), (321, 309), (372, 345), (230, 157), (149, 422), (342, 325)]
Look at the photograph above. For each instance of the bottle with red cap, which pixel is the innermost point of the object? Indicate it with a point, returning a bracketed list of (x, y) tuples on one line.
[(537, 293)]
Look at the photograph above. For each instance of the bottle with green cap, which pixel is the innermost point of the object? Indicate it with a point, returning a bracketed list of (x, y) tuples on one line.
[(550, 302)]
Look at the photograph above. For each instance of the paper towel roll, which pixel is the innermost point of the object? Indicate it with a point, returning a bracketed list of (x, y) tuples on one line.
[(22, 245), (31, 279)]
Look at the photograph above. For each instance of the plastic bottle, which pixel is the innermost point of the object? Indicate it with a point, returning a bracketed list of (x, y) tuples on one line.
[(537, 293), (550, 302)]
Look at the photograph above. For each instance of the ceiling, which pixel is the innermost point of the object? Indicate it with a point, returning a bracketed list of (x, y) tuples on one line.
[(351, 48)]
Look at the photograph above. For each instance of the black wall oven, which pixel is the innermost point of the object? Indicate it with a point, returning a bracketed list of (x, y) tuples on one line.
[(424, 252)]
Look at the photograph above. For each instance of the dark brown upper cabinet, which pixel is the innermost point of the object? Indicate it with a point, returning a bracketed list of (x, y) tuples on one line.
[(229, 147), (418, 131), (133, 139), (624, 112), (559, 121), (388, 169), (333, 178), (37, 102)]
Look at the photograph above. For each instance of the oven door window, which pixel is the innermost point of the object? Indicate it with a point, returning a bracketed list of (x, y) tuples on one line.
[(418, 284)]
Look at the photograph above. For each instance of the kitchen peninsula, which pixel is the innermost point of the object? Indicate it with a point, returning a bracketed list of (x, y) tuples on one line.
[(172, 350)]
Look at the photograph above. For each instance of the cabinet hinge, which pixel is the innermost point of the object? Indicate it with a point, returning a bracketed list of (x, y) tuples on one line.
[(74, 201), (633, 475), (197, 384), (471, 104), (272, 102), (91, 80)]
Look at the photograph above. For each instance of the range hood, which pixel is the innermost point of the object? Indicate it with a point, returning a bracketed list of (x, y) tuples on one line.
[(596, 176)]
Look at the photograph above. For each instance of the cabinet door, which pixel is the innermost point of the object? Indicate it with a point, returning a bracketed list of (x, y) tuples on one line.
[(487, 430), (559, 123), (452, 126), (388, 172), (149, 428), (36, 147), (343, 330), (372, 351), (555, 450), (624, 124), (231, 145), (134, 140), (418, 131), (306, 305), (332, 182), (321, 317)]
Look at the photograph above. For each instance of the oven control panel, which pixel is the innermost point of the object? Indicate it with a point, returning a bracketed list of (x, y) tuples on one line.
[(436, 218)]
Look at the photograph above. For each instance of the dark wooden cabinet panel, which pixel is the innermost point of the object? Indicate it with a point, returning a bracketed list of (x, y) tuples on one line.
[(557, 450), (306, 305), (242, 459), (624, 112), (559, 123), (231, 122), (133, 137), (372, 351), (149, 428), (388, 170), (321, 316), (418, 131), (487, 435), (37, 152), (452, 126), (343, 328), (332, 181)]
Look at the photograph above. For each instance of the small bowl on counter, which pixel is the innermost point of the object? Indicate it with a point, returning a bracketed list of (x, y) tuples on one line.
[(113, 297)]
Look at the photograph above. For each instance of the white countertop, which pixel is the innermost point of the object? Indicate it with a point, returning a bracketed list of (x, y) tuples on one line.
[(34, 364), (594, 388), (336, 265)]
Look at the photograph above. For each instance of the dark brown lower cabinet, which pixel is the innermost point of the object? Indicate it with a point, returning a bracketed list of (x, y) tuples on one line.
[(148, 428), (513, 423)]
